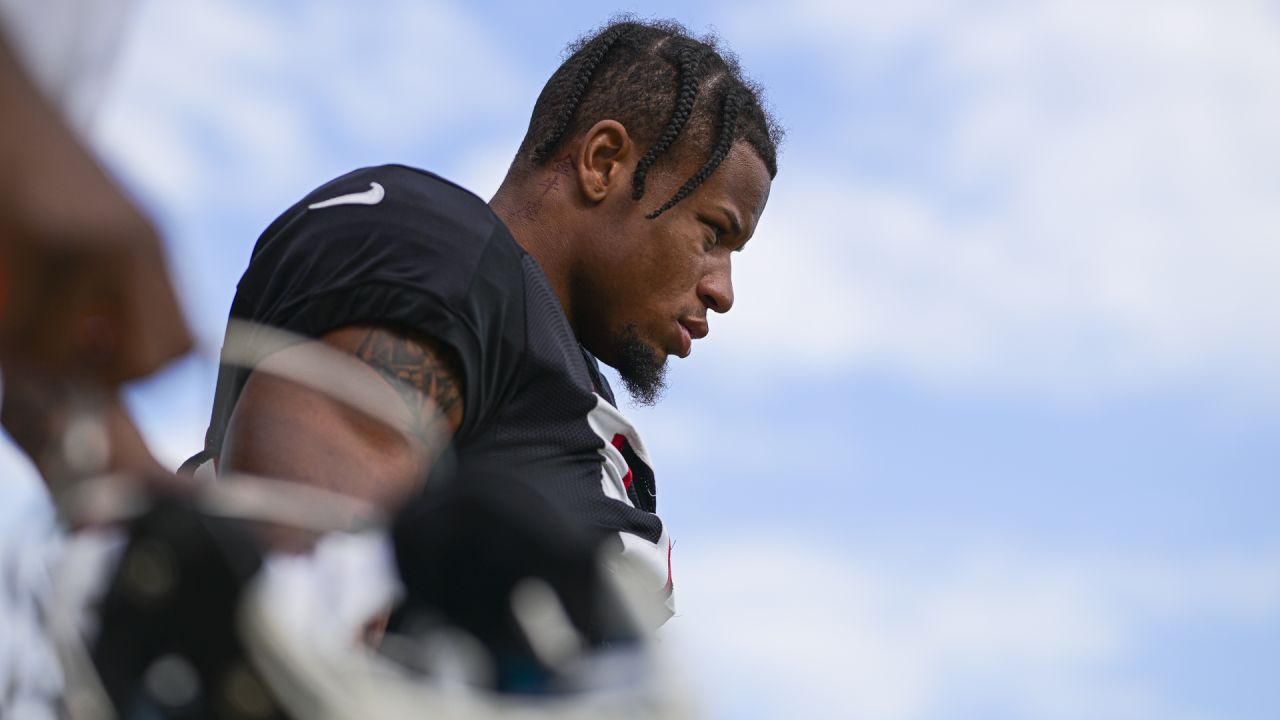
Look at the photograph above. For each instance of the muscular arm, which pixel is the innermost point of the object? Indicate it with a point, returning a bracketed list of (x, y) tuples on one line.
[(283, 429)]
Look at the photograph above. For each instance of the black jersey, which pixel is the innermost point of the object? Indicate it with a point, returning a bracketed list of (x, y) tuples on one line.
[(398, 246)]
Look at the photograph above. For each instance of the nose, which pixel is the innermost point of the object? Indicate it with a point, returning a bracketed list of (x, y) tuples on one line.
[(716, 288)]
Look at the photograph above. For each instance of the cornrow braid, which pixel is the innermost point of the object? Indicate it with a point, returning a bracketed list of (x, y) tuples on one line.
[(585, 70), (732, 106), (678, 96), (687, 62)]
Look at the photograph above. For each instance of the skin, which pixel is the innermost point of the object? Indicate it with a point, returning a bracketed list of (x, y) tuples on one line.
[(612, 269), (84, 293), (85, 299), (282, 429)]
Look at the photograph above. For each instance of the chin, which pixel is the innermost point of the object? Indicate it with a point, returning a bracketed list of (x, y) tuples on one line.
[(642, 367)]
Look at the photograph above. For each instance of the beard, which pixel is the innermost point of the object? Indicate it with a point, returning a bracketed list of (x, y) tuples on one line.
[(642, 370)]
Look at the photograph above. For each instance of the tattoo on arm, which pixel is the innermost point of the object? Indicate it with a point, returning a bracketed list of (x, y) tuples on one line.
[(422, 372)]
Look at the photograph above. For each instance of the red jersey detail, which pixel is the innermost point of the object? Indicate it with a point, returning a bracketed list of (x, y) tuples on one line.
[(667, 587), (618, 441)]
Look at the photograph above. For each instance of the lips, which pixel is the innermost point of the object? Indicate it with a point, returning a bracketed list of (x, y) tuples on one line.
[(686, 343), (691, 329)]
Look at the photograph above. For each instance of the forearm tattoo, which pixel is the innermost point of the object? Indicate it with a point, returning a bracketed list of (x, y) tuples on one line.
[(422, 373)]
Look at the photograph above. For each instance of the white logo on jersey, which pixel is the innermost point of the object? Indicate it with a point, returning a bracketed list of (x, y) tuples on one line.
[(372, 196)]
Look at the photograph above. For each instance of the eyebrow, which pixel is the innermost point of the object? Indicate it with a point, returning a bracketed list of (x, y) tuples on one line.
[(734, 224)]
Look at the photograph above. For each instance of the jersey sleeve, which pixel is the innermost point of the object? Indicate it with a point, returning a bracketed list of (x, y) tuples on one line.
[(390, 246)]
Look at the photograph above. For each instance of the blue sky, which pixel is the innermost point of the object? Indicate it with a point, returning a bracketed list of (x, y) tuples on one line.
[(992, 429)]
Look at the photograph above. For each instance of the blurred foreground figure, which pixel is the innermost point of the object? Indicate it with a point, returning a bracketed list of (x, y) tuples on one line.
[(85, 305), (507, 614), (254, 598), (85, 298)]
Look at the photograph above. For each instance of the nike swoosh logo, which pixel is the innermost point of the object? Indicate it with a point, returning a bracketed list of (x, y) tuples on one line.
[(372, 196)]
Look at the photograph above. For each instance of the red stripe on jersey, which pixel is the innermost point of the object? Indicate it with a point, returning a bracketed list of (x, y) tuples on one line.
[(618, 441), (667, 587)]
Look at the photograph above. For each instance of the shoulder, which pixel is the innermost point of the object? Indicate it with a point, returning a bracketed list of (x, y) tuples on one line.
[(395, 187), (394, 246), (387, 204), (394, 228)]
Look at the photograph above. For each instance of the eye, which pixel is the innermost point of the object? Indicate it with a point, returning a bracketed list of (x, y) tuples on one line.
[(713, 237)]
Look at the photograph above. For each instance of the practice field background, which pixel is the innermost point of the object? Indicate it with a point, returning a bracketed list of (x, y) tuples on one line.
[(992, 429)]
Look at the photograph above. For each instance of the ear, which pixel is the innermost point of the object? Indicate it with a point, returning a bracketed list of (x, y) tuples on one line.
[(602, 161)]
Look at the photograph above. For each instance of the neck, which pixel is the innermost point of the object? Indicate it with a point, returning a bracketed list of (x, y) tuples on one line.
[(531, 218)]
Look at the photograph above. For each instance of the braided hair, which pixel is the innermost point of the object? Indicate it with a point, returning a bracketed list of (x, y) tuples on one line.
[(586, 65), (687, 64), (675, 94), (730, 109)]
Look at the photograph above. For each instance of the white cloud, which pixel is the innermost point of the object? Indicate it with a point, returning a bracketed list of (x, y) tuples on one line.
[(250, 103), (1095, 208), (789, 627), (483, 170)]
